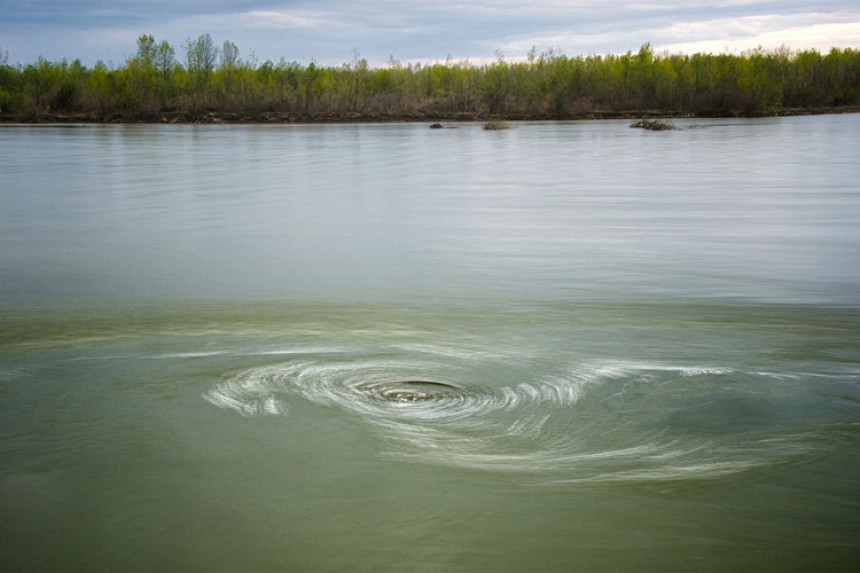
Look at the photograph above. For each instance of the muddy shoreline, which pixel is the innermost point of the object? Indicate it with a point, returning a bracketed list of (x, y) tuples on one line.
[(281, 117)]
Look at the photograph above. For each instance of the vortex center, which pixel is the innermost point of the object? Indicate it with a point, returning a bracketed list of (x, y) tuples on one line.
[(406, 390)]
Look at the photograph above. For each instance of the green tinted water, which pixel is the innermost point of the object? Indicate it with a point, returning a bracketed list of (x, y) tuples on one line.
[(631, 366)]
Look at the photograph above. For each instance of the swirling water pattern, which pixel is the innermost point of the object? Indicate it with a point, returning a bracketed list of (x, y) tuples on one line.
[(590, 422)]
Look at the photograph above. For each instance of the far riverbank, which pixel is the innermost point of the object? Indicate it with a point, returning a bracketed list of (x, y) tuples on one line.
[(280, 117)]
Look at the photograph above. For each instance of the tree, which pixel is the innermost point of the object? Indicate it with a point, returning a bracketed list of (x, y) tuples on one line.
[(357, 71), (308, 79), (551, 84), (139, 78), (229, 55), (146, 50), (201, 55), (164, 59), (100, 94), (495, 86), (8, 81)]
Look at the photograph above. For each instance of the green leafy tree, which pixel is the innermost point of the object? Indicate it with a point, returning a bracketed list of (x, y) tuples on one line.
[(40, 84), (200, 56), (100, 90), (496, 85), (146, 50), (165, 59), (8, 82), (139, 79), (151, 83)]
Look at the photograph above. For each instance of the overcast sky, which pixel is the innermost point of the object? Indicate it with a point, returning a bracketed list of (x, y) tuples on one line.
[(329, 31)]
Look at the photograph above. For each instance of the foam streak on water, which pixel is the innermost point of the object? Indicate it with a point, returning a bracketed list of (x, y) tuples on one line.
[(583, 425)]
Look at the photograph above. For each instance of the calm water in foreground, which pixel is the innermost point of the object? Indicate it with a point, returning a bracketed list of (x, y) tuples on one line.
[(564, 346)]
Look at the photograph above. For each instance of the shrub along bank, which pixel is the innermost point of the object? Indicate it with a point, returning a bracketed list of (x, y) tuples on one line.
[(212, 83)]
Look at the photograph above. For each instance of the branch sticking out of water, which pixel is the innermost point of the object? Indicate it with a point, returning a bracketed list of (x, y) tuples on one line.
[(653, 125), (495, 125)]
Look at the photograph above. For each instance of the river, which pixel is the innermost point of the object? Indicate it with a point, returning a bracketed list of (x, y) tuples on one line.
[(561, 346)]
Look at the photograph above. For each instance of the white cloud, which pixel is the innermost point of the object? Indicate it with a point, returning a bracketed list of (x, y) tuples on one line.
[(328, 30), (817, 36), (281, 20), (798, 31), (253, 20)]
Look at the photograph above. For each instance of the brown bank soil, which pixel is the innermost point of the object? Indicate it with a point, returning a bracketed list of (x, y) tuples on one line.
[(279, 117)]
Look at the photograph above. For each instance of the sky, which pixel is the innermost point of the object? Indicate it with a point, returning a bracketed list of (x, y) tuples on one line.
[(333, 32)]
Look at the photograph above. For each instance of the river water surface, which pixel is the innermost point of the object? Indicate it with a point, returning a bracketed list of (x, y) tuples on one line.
[(563, 346)]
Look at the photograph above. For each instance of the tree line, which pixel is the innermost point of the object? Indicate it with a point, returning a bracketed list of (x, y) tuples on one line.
[(212, 81)]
